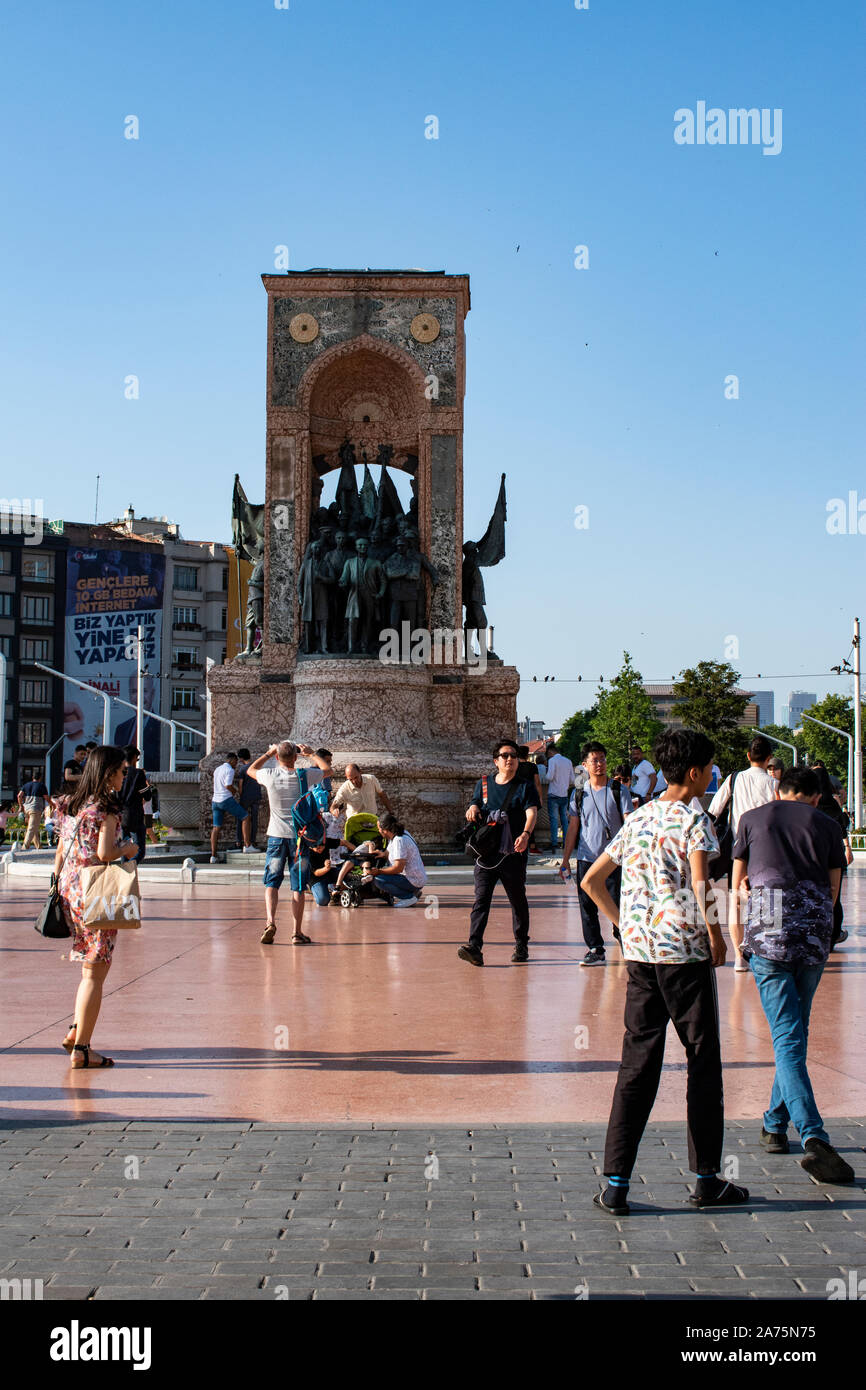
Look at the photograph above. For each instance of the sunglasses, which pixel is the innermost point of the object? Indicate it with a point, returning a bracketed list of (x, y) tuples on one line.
[(507, 756)]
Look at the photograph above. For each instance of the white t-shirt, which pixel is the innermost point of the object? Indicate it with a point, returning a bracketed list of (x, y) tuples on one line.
[(357, 799), (640, 777), (404, 847), (560, 776), (754, 787), (223, 777), (284, 789)]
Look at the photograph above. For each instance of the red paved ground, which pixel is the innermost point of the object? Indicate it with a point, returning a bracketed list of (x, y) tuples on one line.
[(384, 1022)]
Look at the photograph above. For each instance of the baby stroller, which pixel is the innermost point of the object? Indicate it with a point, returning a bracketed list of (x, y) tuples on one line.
[(360, 830)]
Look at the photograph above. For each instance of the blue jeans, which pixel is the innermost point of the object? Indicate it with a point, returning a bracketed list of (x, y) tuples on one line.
[(397, 885), (557, 810), (786, 991)]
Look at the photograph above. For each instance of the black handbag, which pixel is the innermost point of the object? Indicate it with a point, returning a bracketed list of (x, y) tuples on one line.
[(483, 842), (52, 921), (722, 863)]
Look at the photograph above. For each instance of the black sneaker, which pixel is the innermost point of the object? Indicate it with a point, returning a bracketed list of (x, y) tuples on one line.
[(774, 1143), (520, 956), (593, 957), (821, 1161), (469, 953)]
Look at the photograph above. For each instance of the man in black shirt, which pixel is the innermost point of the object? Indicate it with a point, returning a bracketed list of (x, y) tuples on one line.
[(512, 802), (132, 791), (792, 855), (31, 799)]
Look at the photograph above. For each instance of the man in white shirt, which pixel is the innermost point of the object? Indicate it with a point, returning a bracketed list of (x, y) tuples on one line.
[(754, 785), (224, 803), (560, 780), (358, 793), (643, 775), (284, 788)]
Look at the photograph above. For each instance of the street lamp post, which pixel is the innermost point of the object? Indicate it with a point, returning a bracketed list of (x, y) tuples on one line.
[(793, 749), (852, 791)]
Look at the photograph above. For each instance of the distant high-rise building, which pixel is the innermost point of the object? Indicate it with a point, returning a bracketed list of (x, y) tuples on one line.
[(798, 701), (766, 701)]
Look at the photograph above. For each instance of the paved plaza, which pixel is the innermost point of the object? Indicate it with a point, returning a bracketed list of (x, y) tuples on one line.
[(369, 1117)]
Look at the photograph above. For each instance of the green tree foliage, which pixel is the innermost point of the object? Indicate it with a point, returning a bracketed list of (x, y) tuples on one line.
[(782, 752), (575, 732), (706, 699), (625, 715), (823, 744)]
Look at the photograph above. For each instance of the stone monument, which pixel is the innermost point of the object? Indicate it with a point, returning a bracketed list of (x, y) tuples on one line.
[(367, 367)]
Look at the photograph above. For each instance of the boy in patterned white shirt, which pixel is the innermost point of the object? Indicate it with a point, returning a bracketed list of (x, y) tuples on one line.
[(672, 942)]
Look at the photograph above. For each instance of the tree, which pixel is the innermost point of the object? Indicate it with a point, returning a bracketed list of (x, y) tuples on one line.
[(823, 744), (625, 714), (788, 736), (706, 699), (575, 732)]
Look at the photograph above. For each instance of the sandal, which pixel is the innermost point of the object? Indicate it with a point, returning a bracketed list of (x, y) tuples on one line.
[(729, 1195), (67, 1043), (85, 1048), (300, 940)]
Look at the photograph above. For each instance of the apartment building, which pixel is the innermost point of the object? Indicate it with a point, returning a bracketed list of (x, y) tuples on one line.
[(663, 701)]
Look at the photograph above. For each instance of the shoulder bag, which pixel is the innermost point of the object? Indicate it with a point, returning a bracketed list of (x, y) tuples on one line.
[(52, 921)]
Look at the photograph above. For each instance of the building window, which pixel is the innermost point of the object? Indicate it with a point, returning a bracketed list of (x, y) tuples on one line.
[(30, 772), (185, 656), (183, 697), (225, 580), (37, 608), (37, 649), (38, 567), (34, 693), (224, 619), (186, 741), (33, 732), (6, 562), (5, 605), (6, 646), (185, 577), (183, 617)]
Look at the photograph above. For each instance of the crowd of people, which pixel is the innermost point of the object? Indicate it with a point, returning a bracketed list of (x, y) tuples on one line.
[(650, 858)]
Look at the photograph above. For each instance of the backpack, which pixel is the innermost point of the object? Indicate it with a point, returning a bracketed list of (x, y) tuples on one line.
[(577, 802), (307, 820), (723, 824)]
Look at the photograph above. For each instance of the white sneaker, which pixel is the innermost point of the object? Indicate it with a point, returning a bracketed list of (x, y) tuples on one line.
[(740, 965), (250, 849), (405, 902), (213, 859)]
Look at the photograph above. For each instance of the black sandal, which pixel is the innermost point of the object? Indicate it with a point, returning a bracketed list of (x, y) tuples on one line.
[(85, 1048), (729, 1195)]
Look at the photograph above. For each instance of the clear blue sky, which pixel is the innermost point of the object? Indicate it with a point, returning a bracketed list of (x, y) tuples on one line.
[(601, 387)]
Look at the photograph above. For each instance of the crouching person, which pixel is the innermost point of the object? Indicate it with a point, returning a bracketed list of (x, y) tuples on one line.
[(404, 875)]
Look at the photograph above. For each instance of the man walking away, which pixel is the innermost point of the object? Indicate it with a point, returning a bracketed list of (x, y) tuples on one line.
[(596, 815), (643, 776), (512, 802), (31, 799), (226, 804), (560, 780), (793, 856), (671, 949), (284, 787), (249, 796)]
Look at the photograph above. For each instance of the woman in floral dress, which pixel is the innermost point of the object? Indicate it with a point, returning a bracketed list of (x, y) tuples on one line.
[(89, 823)]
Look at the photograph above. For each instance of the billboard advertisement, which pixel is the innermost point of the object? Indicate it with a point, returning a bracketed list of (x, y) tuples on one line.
[(110, 593)]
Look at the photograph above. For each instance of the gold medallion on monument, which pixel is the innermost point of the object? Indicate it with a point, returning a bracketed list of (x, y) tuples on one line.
[(425, 328), (303, 328)]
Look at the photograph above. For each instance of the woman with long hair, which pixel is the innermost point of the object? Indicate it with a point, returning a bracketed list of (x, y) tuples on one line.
[(405, 875), (89, 825)]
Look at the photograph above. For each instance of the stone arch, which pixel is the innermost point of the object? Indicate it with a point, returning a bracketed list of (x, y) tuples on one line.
[(365, 389)]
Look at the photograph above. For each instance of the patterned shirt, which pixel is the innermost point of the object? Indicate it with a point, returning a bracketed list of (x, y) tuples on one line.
[(660, 922)]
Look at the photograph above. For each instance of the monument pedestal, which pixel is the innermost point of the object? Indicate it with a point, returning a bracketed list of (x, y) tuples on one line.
[(426, 732)]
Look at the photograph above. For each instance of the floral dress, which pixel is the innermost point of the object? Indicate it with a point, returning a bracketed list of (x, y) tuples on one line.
[(88, 945)]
